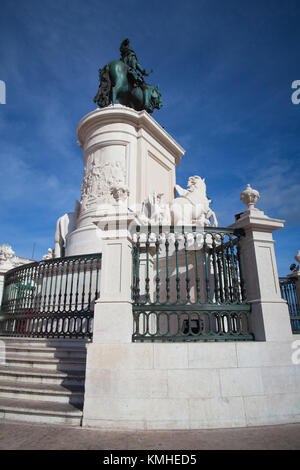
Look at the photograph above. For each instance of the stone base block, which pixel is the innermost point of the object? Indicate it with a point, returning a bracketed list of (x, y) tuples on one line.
[(190, 386), (84, 240), (271, 321), (112, 322)]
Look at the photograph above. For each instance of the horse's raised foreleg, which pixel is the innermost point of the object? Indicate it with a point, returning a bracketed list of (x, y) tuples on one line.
[(211, 215)]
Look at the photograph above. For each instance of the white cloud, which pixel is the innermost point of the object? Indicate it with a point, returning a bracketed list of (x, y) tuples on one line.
[(279, 188)]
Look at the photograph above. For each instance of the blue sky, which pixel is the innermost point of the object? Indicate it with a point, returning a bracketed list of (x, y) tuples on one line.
[(224, 67)]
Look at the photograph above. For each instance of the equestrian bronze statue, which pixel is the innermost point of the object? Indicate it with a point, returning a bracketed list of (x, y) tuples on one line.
[(123, 80)]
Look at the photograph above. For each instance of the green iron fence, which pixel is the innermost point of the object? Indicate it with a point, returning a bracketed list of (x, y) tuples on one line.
[(288, 293), (188, 285), (53, 298)]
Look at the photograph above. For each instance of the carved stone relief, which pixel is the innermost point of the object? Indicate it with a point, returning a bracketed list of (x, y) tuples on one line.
[(99, 180)]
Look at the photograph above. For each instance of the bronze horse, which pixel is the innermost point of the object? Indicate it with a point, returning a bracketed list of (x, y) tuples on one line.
[(115, 84)]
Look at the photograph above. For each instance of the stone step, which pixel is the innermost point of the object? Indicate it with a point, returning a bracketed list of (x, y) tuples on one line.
[(64, 343), (42, 392), (39, 412), (41, 376), (45, 351), (42, 380), (39, 362)]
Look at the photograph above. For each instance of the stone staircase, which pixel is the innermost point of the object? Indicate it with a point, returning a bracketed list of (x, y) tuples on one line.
[(42, 380)]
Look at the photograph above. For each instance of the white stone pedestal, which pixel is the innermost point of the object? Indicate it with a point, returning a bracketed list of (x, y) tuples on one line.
[(122, 148)]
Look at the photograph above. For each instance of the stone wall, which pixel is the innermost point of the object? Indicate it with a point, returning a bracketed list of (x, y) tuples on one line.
[(191, 386)]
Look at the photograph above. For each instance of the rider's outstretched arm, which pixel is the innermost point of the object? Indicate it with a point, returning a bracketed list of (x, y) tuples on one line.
[(143, 71)]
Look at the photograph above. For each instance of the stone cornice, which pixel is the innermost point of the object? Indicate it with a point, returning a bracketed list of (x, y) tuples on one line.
[(255, 219), (140, 120)]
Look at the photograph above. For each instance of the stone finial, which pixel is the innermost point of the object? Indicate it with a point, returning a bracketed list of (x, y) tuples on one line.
[(297, 257), (249, 197)]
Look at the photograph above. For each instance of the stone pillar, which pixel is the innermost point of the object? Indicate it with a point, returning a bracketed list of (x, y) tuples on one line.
[(122, 147), (113, 310), (270, 319), (113, 319)]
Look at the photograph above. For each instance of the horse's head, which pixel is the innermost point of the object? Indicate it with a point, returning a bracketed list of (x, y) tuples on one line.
[(196, 183), (155, 99)]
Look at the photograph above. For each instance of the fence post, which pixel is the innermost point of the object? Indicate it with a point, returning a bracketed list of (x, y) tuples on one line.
[(270, 319)]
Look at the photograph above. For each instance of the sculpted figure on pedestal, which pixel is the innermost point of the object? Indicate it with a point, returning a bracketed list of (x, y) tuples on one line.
[(294, 268), (154, 211), (123, 80), (64, 225), (120, 194), (190, 208), (9, 260), (192, 205), (49, 255), (135, 70), (7, 254)]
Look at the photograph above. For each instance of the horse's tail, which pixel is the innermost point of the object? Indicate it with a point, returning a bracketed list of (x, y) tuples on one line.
[(103, 97)]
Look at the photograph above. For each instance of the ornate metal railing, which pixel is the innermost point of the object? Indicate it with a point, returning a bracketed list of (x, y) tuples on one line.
[(288, 293), (188, 285), (53, 298)]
